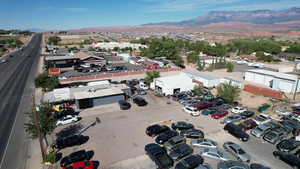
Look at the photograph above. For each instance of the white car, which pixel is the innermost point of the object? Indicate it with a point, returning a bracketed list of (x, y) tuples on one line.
[(238, 110), (67, 120), (215, 154), (241, 62), (262, 119), (204, 142), (296, 117), (191, 110), (258, 65)]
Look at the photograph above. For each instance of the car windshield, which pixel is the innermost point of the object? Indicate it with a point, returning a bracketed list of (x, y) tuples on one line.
[(241, 151)]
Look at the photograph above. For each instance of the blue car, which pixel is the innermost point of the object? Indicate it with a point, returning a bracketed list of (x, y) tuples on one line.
[(207, 111)]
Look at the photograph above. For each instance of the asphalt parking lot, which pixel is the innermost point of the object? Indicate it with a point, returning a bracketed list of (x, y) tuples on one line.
[(119, 140)]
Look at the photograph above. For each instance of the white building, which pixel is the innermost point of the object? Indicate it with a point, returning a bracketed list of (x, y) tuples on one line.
[(275, 80), (171, 84), (203, 79), (111, 45)]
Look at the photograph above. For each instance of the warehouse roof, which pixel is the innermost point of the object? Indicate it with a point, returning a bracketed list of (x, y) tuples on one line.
[(65, 57), (175, 80), (199, 74), (97, 93), (274, 74)]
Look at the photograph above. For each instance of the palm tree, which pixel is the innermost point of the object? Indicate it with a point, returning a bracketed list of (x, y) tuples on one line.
[(228, 92)]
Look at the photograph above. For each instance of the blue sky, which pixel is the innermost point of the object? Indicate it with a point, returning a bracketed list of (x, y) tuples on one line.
[(69, 14)]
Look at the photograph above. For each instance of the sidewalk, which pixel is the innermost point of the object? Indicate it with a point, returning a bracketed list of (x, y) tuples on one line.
[(34, 158)]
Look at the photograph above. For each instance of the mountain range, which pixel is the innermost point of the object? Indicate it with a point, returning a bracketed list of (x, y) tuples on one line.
[(277, 21)]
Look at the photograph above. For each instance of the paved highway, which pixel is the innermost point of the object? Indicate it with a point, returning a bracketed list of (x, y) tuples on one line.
[(14, 77)]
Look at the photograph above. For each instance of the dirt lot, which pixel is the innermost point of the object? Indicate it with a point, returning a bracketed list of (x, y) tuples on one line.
[(119, 140)]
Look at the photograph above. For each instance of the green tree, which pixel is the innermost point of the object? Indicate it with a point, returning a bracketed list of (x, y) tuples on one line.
[(294, 48), (193, 57), (116, 49), (53, 40), (151, 76), (46, 122), (46, 82), (198, 90), (261, 56), (228, 92), (230, 67)]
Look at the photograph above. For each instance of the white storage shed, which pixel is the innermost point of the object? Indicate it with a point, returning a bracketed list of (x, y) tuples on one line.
[(203, 79)]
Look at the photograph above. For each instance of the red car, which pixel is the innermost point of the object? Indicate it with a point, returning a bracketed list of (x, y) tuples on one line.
[(219, 114), (248, 124), (84, 165), (296, 112), (203, 105)]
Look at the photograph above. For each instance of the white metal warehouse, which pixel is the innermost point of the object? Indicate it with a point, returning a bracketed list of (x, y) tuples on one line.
[(203, 79), (275, 80)]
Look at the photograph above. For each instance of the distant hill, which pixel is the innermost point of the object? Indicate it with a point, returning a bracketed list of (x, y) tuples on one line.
[(255, 17), (246, 22)]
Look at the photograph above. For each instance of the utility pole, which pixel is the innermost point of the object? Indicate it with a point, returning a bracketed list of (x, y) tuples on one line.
[(38, 128), (296, 89)]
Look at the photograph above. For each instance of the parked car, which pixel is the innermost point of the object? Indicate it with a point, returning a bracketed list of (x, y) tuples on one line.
[(237, 151), (232, 119), (238, 110), (181, 125), (70, 141), (232, 165), (275, 135), (203, 105), (291, 124), (283, 112), (247, 124), (65, 112), (139, 101), (159, 156), (190, 162), (141, 92), (262, 118), (287, 145), (165, 136), (76, 156), (191, 110), (204, 166), (207, 111), (124, 105), (84, 165), (184, 100), (192, 133), (156, 129), (215, 154), (204, 142), (236, 131), (247, 114), (67, 120), (288, 158), (181, 151), (261, 130), (219, 114), (174, 142), (258, 166)]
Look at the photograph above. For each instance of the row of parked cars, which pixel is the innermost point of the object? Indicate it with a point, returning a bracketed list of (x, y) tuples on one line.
[(99, 68), (171, 148), (77, 159)]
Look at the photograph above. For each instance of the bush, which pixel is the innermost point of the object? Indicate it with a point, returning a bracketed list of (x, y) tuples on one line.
[(228, 92), (230, 67), (50, 157), (46, 82)]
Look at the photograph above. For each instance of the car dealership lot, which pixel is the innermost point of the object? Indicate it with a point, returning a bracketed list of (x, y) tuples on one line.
[(119, 140)]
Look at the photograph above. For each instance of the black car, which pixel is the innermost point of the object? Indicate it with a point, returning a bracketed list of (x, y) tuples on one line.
[(181, 151), (258, 166), (192, 133), (159, 156), (65, 112), (290, 159), (140, 101), (247, 114), (181, 125), (287, 145), (165, 136), (156, 129), (232, 164), (236, 131), (124, 105), (190, 162), (80, 155), (70, 141)]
